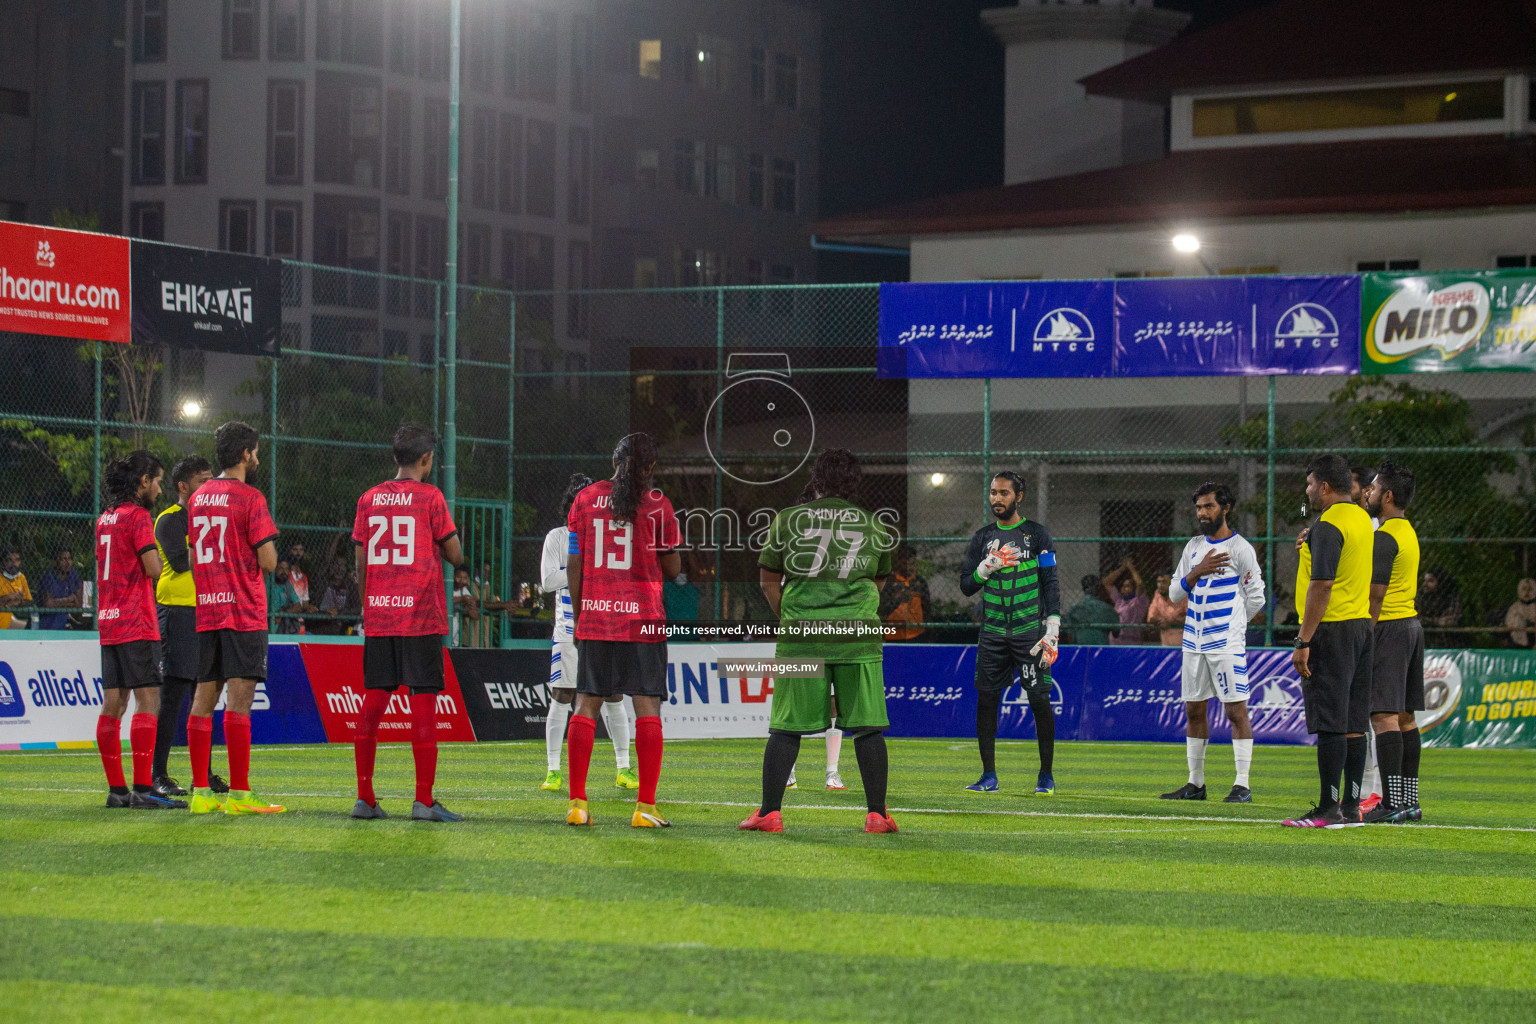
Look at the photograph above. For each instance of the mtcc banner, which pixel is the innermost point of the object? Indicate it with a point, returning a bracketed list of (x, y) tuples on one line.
[(1426, 323)]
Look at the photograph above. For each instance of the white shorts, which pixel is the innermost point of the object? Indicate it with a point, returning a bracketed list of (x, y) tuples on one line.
[(1223, 676), (562, 666)]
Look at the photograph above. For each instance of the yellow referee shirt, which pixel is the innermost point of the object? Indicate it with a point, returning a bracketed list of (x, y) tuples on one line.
[(1397, 565), (1339, 547), (173, 588)]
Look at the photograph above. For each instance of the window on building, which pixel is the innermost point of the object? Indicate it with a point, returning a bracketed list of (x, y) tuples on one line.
[(1513, 262), (242, 30), (348, 129), (1373, 266), (434, 149), (191, 131), (148, 133), (578, 189), (720, 173), (756, 271), (397, 261), (1338, 109), (650, 58), (237, 225), (697, 268), (645, 272), (15, 102), (397, 142), (401, 42), (786, 81), (482, 158), (149, 31), (284, 230), (647, 168), (711, 64), (688, 166), (528, 261), (582, 34), (781, 273), (477, 253), (540, 173), (350, 31), (285, 133), (431, 241), (479, 44), (541, 50), (578, 279), (756, 180), (285, 30), (509, 169), (784, 185), (759, 75), (1251, 270), (432, 53), (145, 220)]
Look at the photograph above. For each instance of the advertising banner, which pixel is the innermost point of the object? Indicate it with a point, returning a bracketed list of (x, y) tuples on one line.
[(702, 704), (1429, 323), (1479, 699), (72, 284), (198, 298), (505, 692), (1132, 328), (336, 677)]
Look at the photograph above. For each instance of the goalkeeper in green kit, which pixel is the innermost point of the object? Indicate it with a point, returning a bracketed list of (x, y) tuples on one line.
[(824, 562)]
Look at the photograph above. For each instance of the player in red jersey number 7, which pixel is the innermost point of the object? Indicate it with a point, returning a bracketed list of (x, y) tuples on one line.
[(127, 564), (401, 526), (624, 537)]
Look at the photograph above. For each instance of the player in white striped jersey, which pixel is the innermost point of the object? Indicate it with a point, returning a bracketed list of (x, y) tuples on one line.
[(1219, 573), (562, 660)]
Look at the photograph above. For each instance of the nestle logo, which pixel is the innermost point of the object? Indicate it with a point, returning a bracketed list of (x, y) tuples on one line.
[(45, 254)]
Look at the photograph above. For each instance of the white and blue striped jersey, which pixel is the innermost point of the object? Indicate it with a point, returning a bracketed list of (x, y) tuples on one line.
[(1222, 603), (557, 543)]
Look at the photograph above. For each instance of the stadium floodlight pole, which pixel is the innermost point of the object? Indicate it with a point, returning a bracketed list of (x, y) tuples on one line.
[(451, 308)]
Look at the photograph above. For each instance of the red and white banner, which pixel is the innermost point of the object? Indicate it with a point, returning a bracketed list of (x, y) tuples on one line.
[(336, 677), (74, 284)]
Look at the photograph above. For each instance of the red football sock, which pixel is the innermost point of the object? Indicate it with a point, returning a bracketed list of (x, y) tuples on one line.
[(365, 742), (578, 741), (141, 736), (200, 748), (648, 748), (109, 742), (424, 743), (237, 743)]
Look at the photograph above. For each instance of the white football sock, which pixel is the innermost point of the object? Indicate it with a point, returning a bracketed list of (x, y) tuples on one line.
[(834, 749), (1194, 752), (1372, 781), (1242, 753), (554, 732), (617, 720)]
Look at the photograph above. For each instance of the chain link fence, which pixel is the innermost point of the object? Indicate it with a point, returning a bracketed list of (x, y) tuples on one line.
[(741, 385)]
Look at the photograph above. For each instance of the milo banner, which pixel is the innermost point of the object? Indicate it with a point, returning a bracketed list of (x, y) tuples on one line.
[(1431, 323), (1479, 699)]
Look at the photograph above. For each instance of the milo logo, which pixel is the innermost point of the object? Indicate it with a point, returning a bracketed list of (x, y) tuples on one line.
[(1415, 319)]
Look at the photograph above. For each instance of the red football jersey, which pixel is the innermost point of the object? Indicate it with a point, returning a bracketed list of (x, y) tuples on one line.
[(399, 525), (125, 603), (227, 521), (620, 574)]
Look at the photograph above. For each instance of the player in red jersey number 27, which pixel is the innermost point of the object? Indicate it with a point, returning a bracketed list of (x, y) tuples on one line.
[(401, 526), (624, 537)]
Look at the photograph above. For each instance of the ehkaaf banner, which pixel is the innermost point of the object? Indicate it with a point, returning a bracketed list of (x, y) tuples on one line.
[(71, 284), (215, 301), (1175, 327), (1427, 323)]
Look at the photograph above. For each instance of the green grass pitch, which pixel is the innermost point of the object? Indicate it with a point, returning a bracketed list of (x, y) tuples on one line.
[(1101, 903)]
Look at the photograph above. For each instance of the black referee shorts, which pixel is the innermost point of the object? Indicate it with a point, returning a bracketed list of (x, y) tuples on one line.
[(1397, 667), (179, 646), (131, 665), (1003, 660), (1338, 695), (231, 654), (390, 662), (621, 668)]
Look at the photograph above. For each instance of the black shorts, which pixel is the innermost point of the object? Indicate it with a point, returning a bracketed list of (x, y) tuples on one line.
[(1003, 660), (1338, 695), (390, 662), (131, 665), (621, 668), (231, 654), (180, 649), (1397, 667)]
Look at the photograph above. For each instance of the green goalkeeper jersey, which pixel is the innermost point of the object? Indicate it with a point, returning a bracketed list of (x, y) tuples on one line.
[(830, 552), (1015, 600)]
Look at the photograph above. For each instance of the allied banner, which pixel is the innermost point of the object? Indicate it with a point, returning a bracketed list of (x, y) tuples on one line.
[(1430, 323), (198, 298), (1174, 327), (72, 284)]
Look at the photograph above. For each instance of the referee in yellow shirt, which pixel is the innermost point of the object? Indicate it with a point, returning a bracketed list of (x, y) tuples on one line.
[(1397, 667), (1333, 645)]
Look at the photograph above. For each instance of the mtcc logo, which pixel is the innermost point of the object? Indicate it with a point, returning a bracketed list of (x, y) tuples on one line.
[(1063, 326), (11, 704), (1307, 325)]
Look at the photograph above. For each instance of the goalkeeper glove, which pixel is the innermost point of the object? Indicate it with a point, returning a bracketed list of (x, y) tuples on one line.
[(1046, 648), (997, 559)]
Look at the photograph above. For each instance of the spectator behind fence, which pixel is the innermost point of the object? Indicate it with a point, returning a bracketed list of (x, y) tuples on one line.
[(340, 599), (1166, 615), (1520, 619), (904, 602), (14, 591), (1439, 603), (1090, 619), (61, 587), (1125, 588), (283, 597), (466, 610), (296, 574)]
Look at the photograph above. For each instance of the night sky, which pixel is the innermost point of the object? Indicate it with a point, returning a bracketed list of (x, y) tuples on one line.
[(912, 107)]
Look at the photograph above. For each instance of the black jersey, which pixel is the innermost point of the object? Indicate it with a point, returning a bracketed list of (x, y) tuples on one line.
[(1015, 599)]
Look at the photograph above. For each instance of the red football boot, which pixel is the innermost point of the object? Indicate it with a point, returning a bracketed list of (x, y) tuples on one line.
[(773, 821), (874, 821)]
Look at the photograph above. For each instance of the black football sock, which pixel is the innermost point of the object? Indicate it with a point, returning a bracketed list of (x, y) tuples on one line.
[(1389, 758), (1355, 750), (987, 707), (1045, 730), (778, 761), (172, 693), (1412, 744), (1330, 764), (874, 768)]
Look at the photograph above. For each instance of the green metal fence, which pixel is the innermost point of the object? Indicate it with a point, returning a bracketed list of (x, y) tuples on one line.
[(1109, 465)]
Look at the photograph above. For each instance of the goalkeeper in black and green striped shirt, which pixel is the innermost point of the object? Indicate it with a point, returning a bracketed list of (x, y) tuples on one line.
[(1012, 562)]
